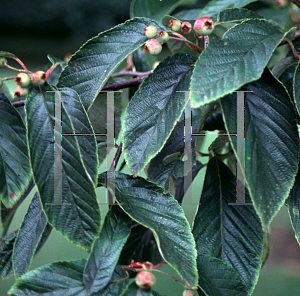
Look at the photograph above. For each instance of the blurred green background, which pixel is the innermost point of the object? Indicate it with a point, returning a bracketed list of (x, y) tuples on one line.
[(33, 29)]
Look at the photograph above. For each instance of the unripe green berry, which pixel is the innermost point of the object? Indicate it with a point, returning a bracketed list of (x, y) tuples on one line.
[(2, 60), (188, 293), (1, 83), (20, 91), (145, 279), (38, 77), (150, 31), (186, 27), (174, 25), (22, 79), (153, 46), (204, 26), (164, 36)]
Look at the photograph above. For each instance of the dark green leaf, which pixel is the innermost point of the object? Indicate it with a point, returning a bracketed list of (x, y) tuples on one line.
[(6, 252), (232, 233), (215, 6), (296, 87), (28, 237), (63, 278), (14, 175), (217, 278), (271, 144), (293, 203), (145, 203), (235, 14), (79, 221), (154, 109), (106, 250), (153, 9), (225, 65), (283, 64), (82, 125), (93, 64), (280, 15)]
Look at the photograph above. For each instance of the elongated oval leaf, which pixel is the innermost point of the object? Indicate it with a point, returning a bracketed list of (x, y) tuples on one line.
[(106, 250), (6, 252), (293, 202), (232, 233), (82, 127), (271, 144), (215, 6), (94, 62), (153, 9), (235, 14), (79, 219), (218, 278), (154, 109), (64, 278), (14, 175), (225, 65), (28, 237), (296, 87), (145, 203)]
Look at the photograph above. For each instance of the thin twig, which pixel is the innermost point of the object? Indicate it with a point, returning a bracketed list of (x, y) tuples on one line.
[(113, 86)]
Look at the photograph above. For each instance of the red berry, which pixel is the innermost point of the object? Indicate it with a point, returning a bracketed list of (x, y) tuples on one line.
[(22, 79), (186, 27), (153, 46), (150, 31), (20, 91), (2, 60), (174, 25), (204, 26), (145, 279), (164, 36), (38, 77)]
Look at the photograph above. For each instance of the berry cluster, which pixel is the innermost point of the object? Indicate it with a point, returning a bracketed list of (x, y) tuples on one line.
[(203, 26), (23, 79)]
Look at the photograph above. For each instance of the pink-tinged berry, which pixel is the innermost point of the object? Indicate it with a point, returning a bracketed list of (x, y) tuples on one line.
[(145, 279), (188, 293), (22, 79), (38, 77), (186, 27), (174, 25), (204, 26), (2, 60), (150, 31), (153, 46), (164, 36), (20, 91), (1, 82)]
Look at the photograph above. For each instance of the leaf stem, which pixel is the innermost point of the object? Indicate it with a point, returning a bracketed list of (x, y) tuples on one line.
[(15, 69), (297, 56)]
